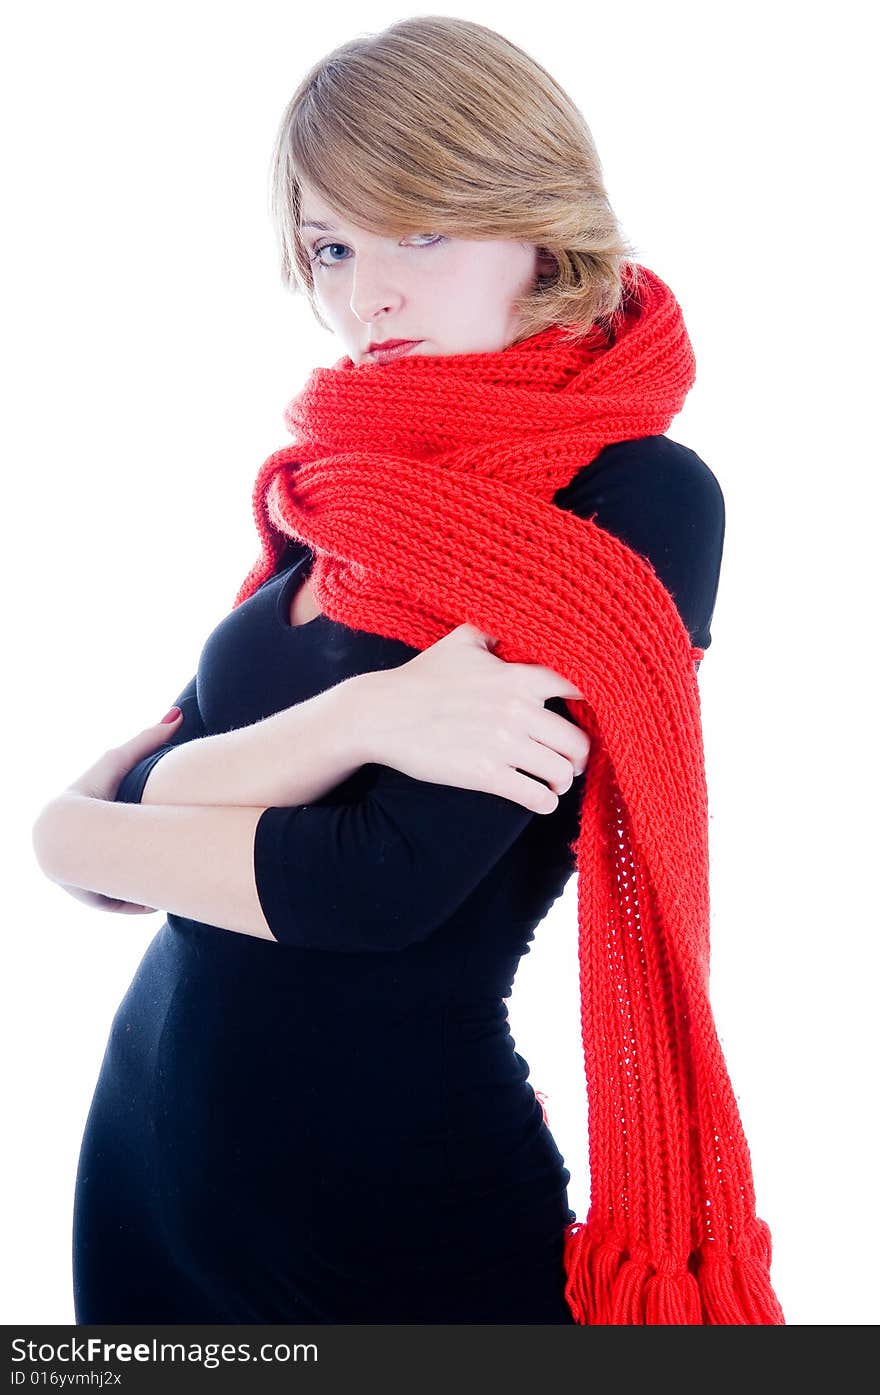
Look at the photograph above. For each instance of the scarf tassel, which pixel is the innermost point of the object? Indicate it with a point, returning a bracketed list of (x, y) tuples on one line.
[(606, 1285)]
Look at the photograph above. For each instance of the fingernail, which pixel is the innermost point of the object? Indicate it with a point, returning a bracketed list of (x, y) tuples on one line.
[(171, 716)]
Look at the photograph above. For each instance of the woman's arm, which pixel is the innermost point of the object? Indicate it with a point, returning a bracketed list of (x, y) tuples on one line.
[(377, 875), (194, 862), (386, 871), (292, 757)]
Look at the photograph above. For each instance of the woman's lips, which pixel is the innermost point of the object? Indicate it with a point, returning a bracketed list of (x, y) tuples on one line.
[(386, 355)]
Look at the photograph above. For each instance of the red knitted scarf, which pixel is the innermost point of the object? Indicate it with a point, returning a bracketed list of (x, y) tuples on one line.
[(424, 488)]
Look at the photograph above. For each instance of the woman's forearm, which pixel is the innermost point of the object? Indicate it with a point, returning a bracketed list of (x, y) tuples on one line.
[(194, 862), (292, 757)]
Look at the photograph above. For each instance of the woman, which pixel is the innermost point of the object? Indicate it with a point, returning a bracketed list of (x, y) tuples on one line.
[(310, 1108)]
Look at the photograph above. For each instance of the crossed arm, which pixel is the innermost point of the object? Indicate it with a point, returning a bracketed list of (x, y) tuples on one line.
[(376, 873), (188, 844)]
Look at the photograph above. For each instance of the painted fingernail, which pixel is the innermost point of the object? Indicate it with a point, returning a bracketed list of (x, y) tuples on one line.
[(171, 716)]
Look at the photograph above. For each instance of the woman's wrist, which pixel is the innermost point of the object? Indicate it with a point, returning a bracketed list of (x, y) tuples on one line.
[(364, 708)]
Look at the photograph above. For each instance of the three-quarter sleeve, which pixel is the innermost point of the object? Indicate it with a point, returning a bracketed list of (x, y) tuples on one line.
[(384, 871), (131, 786)]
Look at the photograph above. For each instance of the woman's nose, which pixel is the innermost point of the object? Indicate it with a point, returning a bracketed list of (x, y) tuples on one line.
[(372, 292)]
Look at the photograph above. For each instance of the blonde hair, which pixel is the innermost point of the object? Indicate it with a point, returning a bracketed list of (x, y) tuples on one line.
[(440, 125)]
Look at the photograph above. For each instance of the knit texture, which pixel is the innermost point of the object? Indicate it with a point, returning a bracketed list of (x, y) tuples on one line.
[(424, 488)]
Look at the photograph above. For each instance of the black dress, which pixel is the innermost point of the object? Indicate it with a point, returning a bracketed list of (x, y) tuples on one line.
[(336, 1128)]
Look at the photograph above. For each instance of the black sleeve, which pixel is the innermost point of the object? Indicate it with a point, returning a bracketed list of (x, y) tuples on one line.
[(382, 872), (663, 501), (131, 786), (389, 869)]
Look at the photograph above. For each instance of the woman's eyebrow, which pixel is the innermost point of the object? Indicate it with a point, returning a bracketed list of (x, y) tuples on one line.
[(324, 227)]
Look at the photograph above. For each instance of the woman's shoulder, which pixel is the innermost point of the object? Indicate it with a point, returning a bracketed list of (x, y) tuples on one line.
[(662, 500), (651, 471)]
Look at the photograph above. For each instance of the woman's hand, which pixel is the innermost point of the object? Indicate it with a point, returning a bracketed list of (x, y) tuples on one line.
[(102, 781), (458, 715)]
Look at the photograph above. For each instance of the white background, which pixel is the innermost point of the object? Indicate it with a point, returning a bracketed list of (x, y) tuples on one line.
[(148, 353)]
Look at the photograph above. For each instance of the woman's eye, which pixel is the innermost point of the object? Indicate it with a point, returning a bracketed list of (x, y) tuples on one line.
[(325, 246), (435, 238)]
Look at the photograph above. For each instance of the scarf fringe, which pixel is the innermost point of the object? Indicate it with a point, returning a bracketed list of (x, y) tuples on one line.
[(607, 1285)]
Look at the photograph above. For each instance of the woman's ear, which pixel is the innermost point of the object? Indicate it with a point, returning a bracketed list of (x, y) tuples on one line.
[(547, 264)]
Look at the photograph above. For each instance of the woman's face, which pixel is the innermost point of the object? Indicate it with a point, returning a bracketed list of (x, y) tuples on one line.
[(454, 296)]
